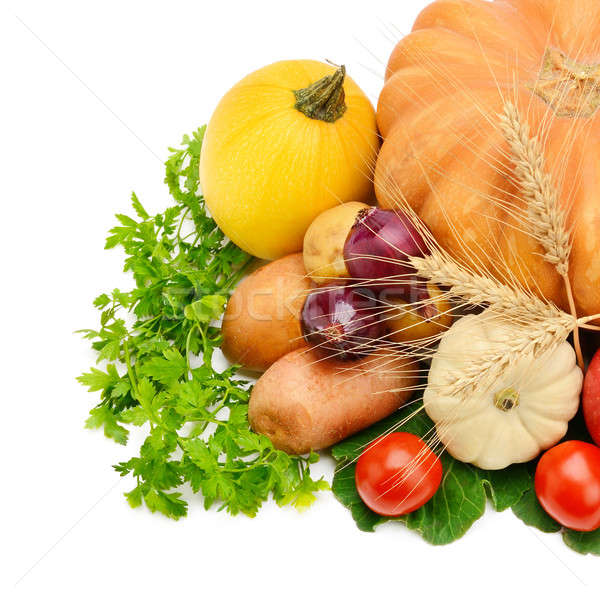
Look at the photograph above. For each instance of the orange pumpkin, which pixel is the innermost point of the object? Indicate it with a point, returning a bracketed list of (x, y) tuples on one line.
[(444, 152)]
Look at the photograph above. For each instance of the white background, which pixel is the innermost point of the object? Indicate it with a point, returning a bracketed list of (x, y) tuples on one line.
[(92, 93)]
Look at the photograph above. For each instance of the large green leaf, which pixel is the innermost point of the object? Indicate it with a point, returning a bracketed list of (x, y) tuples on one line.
[(584, 542), (529, 510), (460, 500)]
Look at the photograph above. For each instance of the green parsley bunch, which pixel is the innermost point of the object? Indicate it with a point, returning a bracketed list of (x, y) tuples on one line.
[(156, 342)]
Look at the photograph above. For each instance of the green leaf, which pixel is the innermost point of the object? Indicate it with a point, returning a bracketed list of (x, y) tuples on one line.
[(169, 505), (102, 301), (134, 416), (460, 499), (344, 490), (127, 221), (199, 453), (134, 497), (166, 369), (137, 206), (584, 542), (305, 494), (506, 486), (110, 351), (458, 503), (102, 416), (145, 395), (121, 388), (206, 309), (98, 380), (530, 511)]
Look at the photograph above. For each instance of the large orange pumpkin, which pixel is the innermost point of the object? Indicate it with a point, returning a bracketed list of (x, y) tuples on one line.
[(444, 152)]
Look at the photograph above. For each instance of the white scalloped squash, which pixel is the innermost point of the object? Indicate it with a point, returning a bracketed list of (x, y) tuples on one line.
[(525, 411)]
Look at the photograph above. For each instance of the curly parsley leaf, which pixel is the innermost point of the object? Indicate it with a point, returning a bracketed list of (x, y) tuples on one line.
[(149, 339)]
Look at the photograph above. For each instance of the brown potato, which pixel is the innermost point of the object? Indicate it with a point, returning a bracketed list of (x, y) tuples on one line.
[(323, 248), (262, 319), (302, 403)]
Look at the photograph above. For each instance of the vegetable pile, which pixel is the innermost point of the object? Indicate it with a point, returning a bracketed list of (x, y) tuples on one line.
[(410, 335)]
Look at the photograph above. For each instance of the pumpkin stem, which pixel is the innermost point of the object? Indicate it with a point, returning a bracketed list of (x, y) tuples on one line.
[(506, 399), (324, 99), (571, 88)]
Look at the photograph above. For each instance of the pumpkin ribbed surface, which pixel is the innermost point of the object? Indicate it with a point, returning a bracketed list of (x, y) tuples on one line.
[(445, 154)]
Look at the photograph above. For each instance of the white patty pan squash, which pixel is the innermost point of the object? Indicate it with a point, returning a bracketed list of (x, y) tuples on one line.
[(525, 411)]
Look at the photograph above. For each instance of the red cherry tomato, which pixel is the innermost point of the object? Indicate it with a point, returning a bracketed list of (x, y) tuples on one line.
[(397, 474), (591, 398), (567, 484)]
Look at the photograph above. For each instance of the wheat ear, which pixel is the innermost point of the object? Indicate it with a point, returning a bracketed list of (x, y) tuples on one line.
[(480, 290), (541, 326), (533, 339), (546, 218)]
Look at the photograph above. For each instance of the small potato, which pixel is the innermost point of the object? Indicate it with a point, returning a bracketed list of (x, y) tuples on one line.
[(302, 403), (425, 318), (324, 242), (262, 319)]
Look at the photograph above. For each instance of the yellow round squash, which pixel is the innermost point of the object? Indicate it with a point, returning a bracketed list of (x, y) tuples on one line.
[(284, 144)]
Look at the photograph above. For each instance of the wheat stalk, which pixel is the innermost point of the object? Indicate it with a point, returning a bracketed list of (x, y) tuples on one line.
[(545, 215)]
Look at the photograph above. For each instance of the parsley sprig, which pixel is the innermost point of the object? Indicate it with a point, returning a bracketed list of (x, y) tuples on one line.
[(156, 342)]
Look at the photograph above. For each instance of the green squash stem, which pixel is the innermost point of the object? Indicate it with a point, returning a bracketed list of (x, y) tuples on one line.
[(324, 99)]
